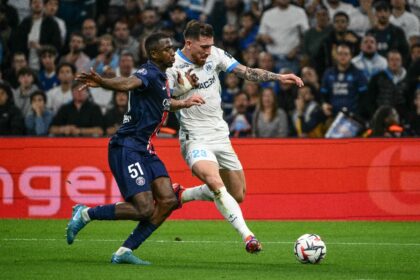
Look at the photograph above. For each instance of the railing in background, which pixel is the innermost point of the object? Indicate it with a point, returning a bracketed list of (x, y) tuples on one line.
[(286, 179)]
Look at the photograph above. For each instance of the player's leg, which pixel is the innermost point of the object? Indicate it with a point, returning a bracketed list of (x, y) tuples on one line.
[(235, 183), (208, 172), (164, 202)]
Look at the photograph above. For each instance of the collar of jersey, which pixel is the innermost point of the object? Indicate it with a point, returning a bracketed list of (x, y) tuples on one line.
[(179, 52)]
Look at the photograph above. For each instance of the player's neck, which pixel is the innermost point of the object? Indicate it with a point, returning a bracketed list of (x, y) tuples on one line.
[(160, 66), (186, 53)]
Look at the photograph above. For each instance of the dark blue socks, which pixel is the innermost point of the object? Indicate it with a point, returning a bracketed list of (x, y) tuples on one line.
[(143, 230), (102, 212)]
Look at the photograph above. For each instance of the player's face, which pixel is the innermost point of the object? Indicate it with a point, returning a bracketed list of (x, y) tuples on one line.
[(200, 49), (165, 54)]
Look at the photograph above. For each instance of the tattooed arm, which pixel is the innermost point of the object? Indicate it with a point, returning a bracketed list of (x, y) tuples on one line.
[(261, 75)]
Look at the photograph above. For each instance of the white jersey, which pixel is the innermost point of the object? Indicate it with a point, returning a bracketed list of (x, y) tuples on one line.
[(203, 122)]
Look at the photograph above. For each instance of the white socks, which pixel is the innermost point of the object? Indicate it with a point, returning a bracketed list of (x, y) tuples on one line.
[(230, 209), (85, 215), (201, 192)]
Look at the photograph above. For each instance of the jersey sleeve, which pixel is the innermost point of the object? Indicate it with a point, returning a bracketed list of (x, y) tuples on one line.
[(226, 62), (144, 75)]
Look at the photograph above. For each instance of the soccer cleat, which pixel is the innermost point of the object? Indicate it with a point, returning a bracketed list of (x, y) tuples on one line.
[(76, 223), (178, 190), (128, 258), (252, 245)]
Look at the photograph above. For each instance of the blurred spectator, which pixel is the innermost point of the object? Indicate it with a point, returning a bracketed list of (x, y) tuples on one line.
[(115, 115), (269, 121), (405, 20), (314, 37), (342, 85), (123, 40), (81, 117), (39, 118), (89, 32), (388, 36), (229, 90), (368, 60), (126, 65), (386, 123), (18, 62), (76, 55), (252, 89), (281, 28), (266, 61), (335, 6), (198, 9), (74, 12), (388, 87), (51, 8), (107, 57), (248, 30), (176, 23), (11, 118), (9, 20), (413, 74), (308, 118), (414, 7), (413, 118), (35, 31), (362, 18), (310, 77), (47, 75), (230, 41), (250, 55), (287, 95), (225, 12), (61, 94), (240, 120), (22, 94), (340, 34), (22, 7)]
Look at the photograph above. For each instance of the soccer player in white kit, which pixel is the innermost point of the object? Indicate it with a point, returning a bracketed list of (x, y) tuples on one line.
[(204, 135)]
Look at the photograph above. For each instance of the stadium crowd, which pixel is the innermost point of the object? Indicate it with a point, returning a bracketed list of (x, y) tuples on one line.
[(359, 60)]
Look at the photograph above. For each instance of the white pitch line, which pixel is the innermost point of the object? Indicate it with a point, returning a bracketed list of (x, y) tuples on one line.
[(207, 241)]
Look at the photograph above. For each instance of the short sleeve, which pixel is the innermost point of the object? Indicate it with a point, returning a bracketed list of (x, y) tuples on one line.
[(144, 75), (226, 62)]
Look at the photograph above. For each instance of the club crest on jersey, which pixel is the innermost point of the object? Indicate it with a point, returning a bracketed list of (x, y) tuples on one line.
[(166, 104), (142, 71), (140, 181), (208, 67)]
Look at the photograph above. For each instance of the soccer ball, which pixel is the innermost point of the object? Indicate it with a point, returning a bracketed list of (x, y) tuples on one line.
[(309, 248)]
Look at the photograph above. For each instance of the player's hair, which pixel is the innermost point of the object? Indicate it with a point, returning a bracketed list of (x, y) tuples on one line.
[(195, 29), (152, 42)]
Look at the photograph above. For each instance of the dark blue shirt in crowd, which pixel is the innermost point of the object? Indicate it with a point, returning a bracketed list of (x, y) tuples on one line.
[(148, 107), (343, 89)]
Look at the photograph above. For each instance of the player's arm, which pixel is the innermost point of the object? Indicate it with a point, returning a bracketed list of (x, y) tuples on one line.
[(194, 100), (93, 79), (261, 75)]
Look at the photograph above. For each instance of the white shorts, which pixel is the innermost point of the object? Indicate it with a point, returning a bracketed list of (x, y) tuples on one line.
[(220, 152)]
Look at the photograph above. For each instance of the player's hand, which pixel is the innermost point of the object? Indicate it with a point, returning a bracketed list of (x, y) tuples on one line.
[(290, 79), (91, 79), (194, 100)]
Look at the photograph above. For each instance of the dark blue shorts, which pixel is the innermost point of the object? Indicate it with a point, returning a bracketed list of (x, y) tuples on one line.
[(134, 171)]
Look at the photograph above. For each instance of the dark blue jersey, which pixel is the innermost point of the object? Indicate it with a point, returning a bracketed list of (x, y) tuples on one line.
[(148, 107)]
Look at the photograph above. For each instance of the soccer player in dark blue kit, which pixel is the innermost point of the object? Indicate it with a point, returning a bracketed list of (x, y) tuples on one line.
[(141, 176)]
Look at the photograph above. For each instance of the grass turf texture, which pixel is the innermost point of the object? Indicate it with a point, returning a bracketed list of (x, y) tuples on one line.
[(36, 249)]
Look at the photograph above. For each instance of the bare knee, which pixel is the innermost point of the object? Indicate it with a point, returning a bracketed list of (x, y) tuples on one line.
[(167, 205), (145, 211)]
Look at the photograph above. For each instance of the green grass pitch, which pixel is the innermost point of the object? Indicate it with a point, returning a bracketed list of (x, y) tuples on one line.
[(36, 249)]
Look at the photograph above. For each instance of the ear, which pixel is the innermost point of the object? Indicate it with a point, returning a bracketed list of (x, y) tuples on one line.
[(188, 44)]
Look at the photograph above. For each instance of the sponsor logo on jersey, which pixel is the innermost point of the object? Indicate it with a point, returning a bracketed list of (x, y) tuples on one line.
[(207, 83), (184, 65)]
